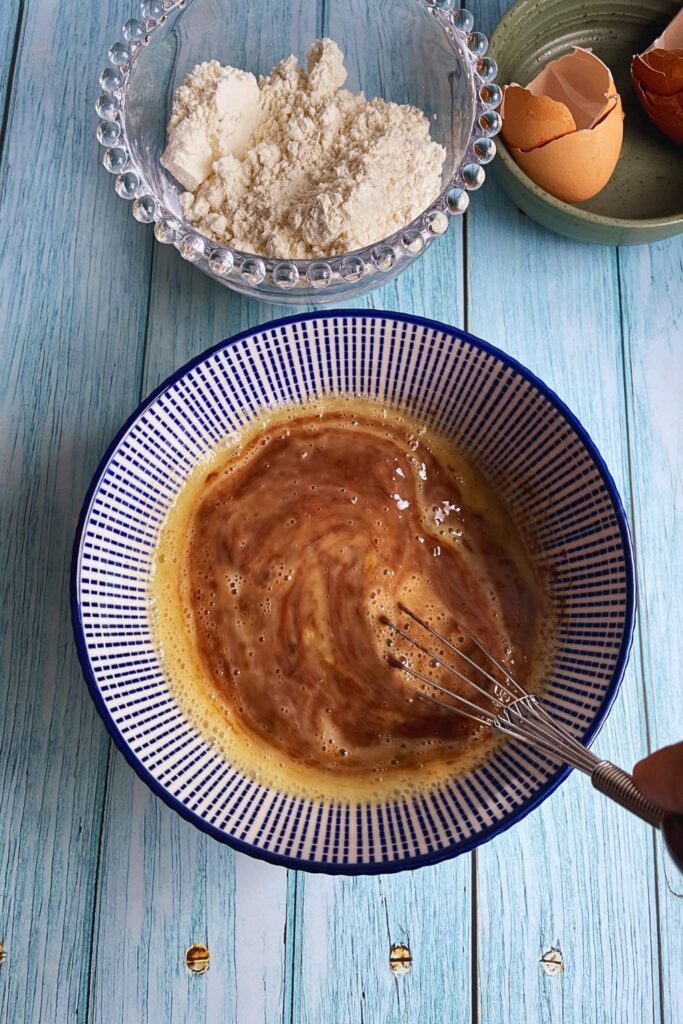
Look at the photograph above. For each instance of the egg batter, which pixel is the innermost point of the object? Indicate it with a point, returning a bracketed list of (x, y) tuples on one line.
[(274, 570)]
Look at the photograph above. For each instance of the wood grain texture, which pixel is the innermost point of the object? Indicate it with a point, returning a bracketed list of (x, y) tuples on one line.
[(652, 315), (345, 927), (164, 885), (10, 38), (578, 873), (95, 872), (348, 928), (72, 315)]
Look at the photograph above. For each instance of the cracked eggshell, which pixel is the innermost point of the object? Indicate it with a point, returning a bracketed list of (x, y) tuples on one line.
[(565, 129), (531, 121), (657, 76), (577, 166), (581, 81)]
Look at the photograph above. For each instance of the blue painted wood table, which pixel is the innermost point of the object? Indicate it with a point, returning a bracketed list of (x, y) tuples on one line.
[(102, 887)]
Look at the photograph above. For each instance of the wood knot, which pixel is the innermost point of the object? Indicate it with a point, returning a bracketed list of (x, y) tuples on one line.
[(400, 959), (197, 959), (552, 962)]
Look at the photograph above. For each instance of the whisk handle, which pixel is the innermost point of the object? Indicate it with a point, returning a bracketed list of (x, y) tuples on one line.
[(619, 786)]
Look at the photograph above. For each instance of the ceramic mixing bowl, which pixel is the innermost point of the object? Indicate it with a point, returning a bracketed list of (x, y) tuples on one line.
[(535, 454)]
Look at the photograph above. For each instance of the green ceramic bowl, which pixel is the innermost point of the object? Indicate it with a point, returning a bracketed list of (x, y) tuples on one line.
[(643, 201)]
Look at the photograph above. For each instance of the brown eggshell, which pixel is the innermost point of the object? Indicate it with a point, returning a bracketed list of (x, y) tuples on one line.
[(580, 81), (672, 36), (658, 79), (577, 166), (530, 121), (659, 71), (665, 111)]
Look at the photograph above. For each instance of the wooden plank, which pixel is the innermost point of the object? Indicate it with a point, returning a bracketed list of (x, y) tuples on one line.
[(651, 279), (9, 48), (350, 927), (578, 873), (164, 888), (73, 301), (346, 926), (164, 885)]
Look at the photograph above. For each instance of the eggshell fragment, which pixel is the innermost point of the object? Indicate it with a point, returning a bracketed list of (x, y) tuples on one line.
[(665, 111), (577, 166), (581, 81), (565, 128), (672, 36), (659, 71), (531, 121), (658, 80)]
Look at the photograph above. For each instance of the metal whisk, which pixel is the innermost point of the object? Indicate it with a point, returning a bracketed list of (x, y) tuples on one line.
[(520, 715)]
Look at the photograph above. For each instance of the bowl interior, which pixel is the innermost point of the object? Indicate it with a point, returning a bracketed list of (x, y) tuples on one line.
[(537, 458), (647, 183), (396, 51)]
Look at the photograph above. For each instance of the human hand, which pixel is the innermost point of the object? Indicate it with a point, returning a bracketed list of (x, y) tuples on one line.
[(659, 777)]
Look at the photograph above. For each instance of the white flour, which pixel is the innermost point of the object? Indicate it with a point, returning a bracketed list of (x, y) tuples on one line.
[(294, 166)]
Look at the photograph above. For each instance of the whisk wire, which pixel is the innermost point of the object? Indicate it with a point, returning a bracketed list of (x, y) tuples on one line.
[(397, 663), (451, 668), (508, 718), (456, 650), (489, 654), (522, 717)]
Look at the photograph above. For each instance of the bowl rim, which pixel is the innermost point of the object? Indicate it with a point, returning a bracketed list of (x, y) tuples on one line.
[(234, 267), (454, 849), (576, 213), (569, 210)]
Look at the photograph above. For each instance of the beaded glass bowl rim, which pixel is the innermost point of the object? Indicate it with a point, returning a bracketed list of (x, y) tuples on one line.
[(458, 847), (230, 265)]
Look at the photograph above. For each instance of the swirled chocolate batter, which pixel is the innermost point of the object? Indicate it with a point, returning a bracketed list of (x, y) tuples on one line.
[(273, 573)]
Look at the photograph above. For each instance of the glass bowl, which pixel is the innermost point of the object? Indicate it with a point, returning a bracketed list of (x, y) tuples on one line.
[(423, 52)]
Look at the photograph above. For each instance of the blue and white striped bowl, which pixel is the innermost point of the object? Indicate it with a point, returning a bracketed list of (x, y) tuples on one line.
[(535, 453)]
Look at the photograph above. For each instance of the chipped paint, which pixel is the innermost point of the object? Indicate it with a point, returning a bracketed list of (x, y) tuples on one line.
[(197, 959), (3, 954), (400, 959), (552, 962)]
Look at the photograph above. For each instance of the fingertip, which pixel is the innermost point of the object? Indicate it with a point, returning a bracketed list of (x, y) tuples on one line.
[(642, 776), (659, 777)]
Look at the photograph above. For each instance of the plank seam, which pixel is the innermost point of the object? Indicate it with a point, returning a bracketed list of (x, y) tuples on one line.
[(291, 943), (323, 19), (10, 79), (145, 336), (474, 941), (89, 994)]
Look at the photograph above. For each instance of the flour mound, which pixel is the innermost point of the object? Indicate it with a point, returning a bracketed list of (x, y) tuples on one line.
[(295, 166)]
